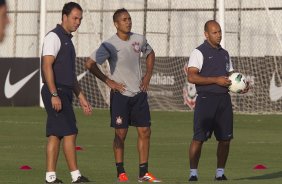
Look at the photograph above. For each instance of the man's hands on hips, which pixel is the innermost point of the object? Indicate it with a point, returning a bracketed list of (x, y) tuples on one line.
[(115, 85)]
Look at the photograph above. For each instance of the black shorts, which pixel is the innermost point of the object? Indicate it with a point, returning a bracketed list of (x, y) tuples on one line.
[(60, 123), (129, 111), (213, 113)]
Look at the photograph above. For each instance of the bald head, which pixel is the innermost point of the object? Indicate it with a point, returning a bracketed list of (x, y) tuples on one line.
[(210, 23), (213, 33)]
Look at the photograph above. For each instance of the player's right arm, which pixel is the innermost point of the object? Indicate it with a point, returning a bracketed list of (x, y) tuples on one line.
[(193, 70), (91, 65), (195, 78), (50, 50)]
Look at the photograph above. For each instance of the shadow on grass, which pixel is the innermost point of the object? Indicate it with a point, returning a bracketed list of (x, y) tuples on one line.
[(263, 177)]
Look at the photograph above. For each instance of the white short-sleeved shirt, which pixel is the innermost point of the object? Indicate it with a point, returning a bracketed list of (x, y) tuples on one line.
[(196, 60), (124, 60), (51, 45)]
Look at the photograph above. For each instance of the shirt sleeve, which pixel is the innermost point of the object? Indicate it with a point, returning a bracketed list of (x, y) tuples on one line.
[(196, 59), (51, 45), (101, 54), (146, 49)]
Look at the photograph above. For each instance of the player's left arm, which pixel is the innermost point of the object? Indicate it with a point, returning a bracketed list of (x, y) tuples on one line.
[(85, 105), (150, 61)]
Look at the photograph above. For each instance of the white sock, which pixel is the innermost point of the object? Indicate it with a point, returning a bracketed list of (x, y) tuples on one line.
[(219, 172), (193, 172), (50, 176), (75, 174)]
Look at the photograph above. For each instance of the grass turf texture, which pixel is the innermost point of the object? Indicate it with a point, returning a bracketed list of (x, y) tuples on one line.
[(257, 141)]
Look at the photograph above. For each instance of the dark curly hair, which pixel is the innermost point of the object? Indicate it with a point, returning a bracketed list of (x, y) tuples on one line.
[(68, 7)]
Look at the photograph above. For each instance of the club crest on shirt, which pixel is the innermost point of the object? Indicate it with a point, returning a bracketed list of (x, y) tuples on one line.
[(136, 47), (118, 120)]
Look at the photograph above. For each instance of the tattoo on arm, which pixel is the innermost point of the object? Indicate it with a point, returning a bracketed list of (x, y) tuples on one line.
[(97, 72)]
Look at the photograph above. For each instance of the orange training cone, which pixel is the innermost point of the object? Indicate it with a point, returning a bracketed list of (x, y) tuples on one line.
[(25, 167), (78, 148), (259, 167)]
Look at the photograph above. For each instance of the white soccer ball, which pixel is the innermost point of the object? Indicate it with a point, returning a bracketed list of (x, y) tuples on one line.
[(238, 82)]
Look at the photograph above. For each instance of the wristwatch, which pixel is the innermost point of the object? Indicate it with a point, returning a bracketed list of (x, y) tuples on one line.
[(55, 94)]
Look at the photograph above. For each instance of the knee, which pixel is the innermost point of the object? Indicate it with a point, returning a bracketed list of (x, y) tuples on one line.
[(144, 133), (119, 137), (196, 143), (224, 143), (88, 64)]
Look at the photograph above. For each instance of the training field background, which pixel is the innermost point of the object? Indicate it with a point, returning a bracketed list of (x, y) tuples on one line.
[(257, 141)]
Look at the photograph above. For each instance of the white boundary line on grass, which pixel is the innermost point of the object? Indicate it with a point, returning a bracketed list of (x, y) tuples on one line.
[(21, 122)]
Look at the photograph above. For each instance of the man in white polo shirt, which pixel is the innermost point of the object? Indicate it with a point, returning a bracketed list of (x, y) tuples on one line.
[(60, 82)]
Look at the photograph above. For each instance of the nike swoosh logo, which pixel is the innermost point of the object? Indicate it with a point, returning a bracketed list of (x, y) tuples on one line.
[(11, 89), (275, 93), (80, 76)]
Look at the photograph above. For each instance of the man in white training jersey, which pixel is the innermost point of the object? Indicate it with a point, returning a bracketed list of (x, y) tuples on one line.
[(129, 104)]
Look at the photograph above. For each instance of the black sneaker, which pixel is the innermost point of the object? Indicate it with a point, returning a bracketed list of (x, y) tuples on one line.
[(193, 178), (222, 178), (56, 181), (81, 179)]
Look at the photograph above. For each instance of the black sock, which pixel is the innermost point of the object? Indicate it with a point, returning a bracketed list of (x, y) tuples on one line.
[(120, 168), (143, 169)]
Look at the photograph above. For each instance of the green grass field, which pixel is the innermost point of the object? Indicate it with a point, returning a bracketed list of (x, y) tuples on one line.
[(257, 141)]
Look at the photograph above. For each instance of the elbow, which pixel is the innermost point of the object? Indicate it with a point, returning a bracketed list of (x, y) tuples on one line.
[(88, 64), (191, 79), (45, 67)]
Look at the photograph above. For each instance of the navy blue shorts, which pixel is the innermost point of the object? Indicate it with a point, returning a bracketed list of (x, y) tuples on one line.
[(60, 123), (213, 113), (129, 111)]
